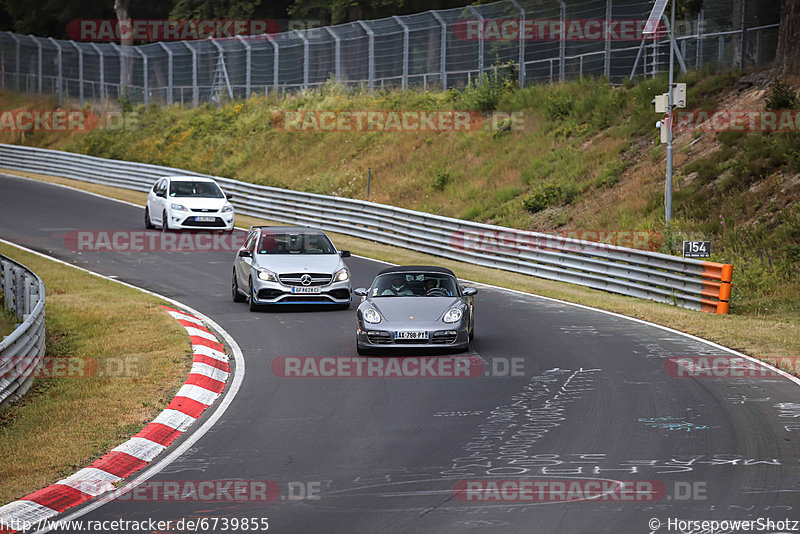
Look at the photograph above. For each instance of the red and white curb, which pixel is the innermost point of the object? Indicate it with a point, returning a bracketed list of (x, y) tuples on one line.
[(206, 381)]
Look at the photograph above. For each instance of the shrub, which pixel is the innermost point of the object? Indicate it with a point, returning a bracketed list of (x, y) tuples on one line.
[(441, 180), (781, 96), (549, 195)]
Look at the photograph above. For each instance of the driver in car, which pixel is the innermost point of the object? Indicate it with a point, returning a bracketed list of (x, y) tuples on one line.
[(432, 288), (398, 287)]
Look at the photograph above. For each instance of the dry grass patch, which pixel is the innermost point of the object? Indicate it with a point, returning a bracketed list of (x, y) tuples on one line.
[(63, 424)]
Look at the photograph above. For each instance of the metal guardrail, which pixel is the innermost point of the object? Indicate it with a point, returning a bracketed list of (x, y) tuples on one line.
[(690, 283), (22, 351)]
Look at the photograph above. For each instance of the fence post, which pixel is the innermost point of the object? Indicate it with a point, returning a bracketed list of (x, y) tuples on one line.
[(195, 89), (80, 70), (145, 81), (521, 58), (275, 65), (480, 44), (370, 54), (248, 60), (38, 63), (721, 49), (744, 36), (337, 57), (699, 59), (562, 45), (305, 57), (17, 59), (102, 75), (442, 50), (123, 80), (758, 47), (607, 39), (169, 72), (405, 51), (60, 71)]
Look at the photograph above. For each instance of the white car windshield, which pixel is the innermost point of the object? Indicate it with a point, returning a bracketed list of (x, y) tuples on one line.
[(294, 243), (413, 284), (195, 189)]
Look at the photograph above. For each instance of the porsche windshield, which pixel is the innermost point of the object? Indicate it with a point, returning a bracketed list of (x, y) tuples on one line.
[(412, 284), (194, 189), (294, 243)]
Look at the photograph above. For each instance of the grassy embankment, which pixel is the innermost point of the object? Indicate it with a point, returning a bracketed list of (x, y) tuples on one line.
[(120, 361)]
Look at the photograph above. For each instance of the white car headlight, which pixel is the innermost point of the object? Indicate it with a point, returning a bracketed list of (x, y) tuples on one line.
[(453, 315), (267, 276), (371, 316), (226, 208), (341, 275), (178, 207)]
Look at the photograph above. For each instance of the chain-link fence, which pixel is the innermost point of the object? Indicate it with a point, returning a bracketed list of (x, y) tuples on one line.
[(432, 50)]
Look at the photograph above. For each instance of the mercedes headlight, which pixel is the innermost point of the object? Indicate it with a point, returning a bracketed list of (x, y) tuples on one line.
[(178, 207), (267, 276), (453, 315), (341, 275), (227, 208), (371, 316)]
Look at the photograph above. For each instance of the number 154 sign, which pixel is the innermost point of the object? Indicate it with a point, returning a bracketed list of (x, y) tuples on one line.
[(697, 249)]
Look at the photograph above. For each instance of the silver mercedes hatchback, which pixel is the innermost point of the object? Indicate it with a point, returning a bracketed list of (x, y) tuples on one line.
[(290, 265)]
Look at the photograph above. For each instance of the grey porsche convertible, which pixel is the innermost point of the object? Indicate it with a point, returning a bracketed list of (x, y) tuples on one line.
[(415, 307)]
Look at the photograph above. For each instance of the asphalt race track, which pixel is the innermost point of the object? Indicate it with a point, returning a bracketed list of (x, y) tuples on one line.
[(386, 453)]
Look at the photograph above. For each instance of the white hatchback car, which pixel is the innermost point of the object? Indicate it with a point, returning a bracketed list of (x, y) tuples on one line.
[(188, 203)]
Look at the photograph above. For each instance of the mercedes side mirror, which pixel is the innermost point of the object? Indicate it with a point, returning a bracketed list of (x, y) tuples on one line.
[(245, 254)]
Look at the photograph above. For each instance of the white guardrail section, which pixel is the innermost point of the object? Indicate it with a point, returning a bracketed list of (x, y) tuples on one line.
[(22, 351), (690, 283)]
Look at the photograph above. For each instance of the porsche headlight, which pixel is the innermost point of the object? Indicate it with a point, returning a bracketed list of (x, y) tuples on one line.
[(178, 207), (371, 316), (341, 275), (267, 276), (453, 315)]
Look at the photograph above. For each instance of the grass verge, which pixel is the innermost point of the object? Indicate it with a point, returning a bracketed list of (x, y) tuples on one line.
[(770, 338), (137, 356), (7, 321)]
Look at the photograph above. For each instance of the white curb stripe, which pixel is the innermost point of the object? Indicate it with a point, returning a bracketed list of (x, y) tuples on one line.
[(197, 393), (140, 448), (91, 480), (200, 368), (174, 419), (211, 353), (200, 333)]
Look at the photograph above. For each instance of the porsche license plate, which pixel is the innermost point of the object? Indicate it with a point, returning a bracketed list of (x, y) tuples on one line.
[(410, 335), (305, 290)]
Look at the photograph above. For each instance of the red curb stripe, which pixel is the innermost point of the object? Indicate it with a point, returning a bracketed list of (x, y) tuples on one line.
[(190, 407), (159, 433), (119, 463), (58, 497), (213, 362), (189, 324), (205, 382), (197, 340)]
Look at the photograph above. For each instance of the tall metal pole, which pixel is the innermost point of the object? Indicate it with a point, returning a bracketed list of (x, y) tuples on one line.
[(668, 185)]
